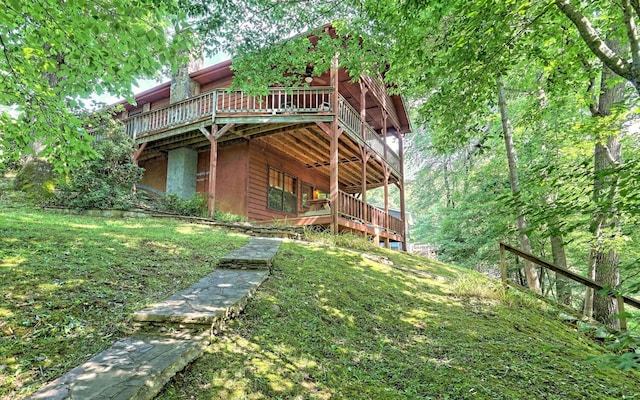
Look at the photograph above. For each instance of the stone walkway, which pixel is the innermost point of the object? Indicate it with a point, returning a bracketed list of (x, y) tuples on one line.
[(140, 366)]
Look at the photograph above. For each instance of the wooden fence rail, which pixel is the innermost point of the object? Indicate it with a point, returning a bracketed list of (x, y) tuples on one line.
[(352, 207), (565, 272)]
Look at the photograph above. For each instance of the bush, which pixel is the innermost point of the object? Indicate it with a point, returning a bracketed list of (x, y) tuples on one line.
[(36, 178), (195, 206), (224, 216), (108, 180)]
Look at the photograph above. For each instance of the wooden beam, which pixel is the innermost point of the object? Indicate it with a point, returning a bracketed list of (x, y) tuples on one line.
[(254, 129), (138, 152), (581, 279), (222, 131), (204, 131), (213, 164), (324, 127), (269, 119), (386, 203)]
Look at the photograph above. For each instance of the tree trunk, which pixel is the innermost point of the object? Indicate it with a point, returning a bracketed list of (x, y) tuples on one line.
[(606, 225), (530, 271), (563, 288), (447, 185)]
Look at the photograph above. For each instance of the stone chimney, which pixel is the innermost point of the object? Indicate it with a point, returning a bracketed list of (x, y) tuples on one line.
[(182, 86)]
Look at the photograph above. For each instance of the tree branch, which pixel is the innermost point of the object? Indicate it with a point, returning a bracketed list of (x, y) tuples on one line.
[(607, 153), (593, 40), (6, 56), (632, 33), (636, 7)]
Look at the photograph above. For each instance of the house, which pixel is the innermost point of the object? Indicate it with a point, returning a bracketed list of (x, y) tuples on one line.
[(304, 155)]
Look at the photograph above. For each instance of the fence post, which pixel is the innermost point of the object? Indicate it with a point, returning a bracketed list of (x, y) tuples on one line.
[(623, 319), (503, 265)]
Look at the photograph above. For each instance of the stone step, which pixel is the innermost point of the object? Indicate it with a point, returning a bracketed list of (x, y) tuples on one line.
[(217, 296), (138, 367), (258, 254), (132, 368)]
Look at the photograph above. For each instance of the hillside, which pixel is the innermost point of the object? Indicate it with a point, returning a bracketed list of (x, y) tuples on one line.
[(332, 323), (329, 323)]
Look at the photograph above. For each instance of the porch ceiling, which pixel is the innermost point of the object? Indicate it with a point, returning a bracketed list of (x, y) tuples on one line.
[(305, 142)]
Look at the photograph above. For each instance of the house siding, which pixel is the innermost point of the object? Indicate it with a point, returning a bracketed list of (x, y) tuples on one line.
[(231, 177), (155, 174), (261, 157)]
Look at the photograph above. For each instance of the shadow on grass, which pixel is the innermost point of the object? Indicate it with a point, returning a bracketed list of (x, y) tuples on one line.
[(70, 284), (335, 324)]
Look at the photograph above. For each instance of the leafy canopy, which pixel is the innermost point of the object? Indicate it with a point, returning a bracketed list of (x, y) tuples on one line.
[(56, 53)]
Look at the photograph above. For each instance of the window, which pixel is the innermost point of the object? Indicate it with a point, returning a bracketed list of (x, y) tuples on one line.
[(283, 191), (306, 194)]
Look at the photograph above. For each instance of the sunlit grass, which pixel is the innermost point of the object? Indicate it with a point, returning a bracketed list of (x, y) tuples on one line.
[(69, 284), (333, 323)]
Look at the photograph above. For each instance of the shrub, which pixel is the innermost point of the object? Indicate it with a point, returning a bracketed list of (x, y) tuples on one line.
[(106, 181), (224, 216), (36, 178), (195, 206)]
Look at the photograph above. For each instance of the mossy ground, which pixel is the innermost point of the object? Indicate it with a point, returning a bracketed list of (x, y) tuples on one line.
[(332, 323)]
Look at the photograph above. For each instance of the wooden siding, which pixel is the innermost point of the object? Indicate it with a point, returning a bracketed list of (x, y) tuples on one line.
[(155, 174), (222, 83), (261, 156), (231, 177)]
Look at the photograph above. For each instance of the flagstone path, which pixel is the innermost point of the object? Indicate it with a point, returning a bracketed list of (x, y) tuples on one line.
[(176, 332)]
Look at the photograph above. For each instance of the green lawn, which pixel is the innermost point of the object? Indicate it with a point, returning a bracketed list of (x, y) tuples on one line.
[(333, 324), (329, 323), (69, 284)]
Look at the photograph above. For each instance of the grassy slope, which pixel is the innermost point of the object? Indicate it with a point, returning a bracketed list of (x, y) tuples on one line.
[(334, 324), (329, 324), (69, 284)]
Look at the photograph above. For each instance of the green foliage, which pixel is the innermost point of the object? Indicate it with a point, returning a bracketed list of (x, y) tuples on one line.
[(195, 206), (36, 178), (345, 240), (478, 286), (56, 53), (107, 180), (224, 216)]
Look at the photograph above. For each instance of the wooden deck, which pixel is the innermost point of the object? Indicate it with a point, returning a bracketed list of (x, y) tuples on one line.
[(279, 107), (354, 215)]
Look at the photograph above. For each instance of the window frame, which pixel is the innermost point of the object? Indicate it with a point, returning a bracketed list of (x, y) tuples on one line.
[(284, 181)]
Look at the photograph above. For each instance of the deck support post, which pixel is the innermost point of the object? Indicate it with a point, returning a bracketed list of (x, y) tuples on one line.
[(363, 152), (385, 170), (333, 157), (403, 211), (135, 157), (365, 159), (213, 164)]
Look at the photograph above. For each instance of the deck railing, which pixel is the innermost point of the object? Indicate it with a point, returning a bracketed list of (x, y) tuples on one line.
[(352, 123), (355, 209), (222, 102), (189, 110), (378, 89), (278, 100)]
